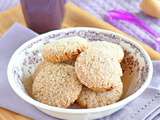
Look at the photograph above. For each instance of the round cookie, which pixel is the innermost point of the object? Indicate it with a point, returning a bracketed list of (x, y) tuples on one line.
[(113, 50), (64, 49), (92, 99), (38, 68), (56, 85), (96, 70)]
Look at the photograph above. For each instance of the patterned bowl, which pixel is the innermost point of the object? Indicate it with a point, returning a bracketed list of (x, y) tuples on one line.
[(136, 65)]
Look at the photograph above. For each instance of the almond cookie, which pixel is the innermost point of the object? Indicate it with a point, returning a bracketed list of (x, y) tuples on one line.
[(56, 85), (96, 70), (113, 50), (64, 49), (92, 99)]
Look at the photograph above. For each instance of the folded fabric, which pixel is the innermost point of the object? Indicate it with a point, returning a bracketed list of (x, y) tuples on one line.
[(115, 16), (143, 107), (15, 37)]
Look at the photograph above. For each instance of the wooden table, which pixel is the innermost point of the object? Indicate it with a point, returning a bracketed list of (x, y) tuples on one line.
[(73, 17), (8, 115)]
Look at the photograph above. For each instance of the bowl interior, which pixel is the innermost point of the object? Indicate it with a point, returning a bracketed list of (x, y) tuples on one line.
[(135, 65)]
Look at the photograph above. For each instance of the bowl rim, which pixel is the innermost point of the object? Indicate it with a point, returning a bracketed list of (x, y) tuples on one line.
[(38, 104)]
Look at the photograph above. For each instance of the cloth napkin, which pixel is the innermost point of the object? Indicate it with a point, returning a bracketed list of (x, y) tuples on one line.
[(147, 106)]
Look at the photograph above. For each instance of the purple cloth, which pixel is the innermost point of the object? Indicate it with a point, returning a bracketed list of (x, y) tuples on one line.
[(99, 8), (18, 34), (15, 37)]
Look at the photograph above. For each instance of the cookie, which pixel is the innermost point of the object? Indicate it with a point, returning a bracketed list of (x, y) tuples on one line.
[(92, 99), (56, 85), (71, 62), (64, 49), (96, 70), (113, 50), (38, 68)]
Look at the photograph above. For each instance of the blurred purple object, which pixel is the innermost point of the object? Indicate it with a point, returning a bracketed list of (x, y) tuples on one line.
[(43, 15), (113, 15)]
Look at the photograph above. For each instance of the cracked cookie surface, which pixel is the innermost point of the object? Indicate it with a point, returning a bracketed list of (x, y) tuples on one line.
[(64, 49)]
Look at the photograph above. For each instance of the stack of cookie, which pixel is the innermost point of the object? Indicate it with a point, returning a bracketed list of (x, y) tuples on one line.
[(75, 69)]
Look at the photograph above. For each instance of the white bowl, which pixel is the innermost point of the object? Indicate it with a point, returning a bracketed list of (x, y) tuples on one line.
[(137, 68)]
